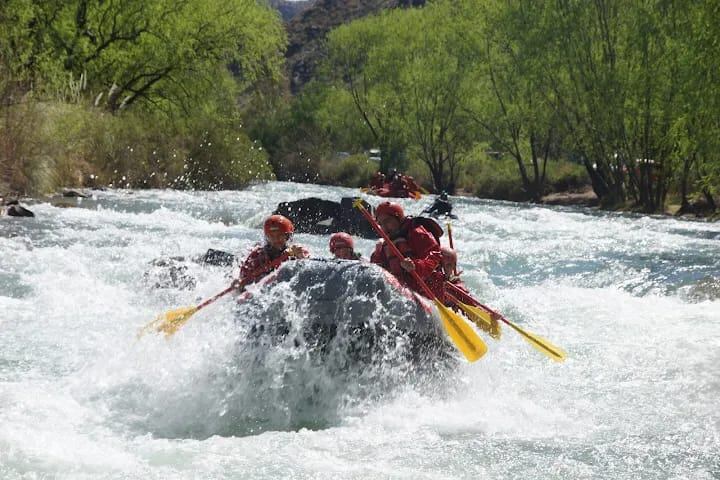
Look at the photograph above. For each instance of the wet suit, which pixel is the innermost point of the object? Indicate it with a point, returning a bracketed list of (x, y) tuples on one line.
[(440, 207)]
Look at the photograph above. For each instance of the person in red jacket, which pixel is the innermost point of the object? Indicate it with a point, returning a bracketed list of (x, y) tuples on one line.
[(456, 289), (264, 258), (342, 246), (377, 181), (420, 248), (411, 187), (397, 186)]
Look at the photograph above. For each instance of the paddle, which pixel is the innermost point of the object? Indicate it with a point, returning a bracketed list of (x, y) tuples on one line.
[(483, 316), (478, 316), (464, 337), (486, 318), (170, 322), (449, 229)]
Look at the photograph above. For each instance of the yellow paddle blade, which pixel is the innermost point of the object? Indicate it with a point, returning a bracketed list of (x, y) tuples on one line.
[(170, 322), (482, 319), (462, 334), (540, 344)]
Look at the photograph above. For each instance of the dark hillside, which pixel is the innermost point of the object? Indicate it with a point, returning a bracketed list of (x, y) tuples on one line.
[(307, 31), (288, 9)]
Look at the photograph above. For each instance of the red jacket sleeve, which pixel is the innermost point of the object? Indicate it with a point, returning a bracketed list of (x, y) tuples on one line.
[(377, 256), (426, 251), (254, 260)]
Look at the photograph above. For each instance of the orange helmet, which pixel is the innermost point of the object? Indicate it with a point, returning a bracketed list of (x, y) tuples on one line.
[(390, 209), (278, 223), (340, 240)]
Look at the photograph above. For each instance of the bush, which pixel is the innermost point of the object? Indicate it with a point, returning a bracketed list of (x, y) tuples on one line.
[(420, 172), (221, 156), (490, 177), (563, 176), (353, 171), (73, 145), (498, 178), (20, 162)]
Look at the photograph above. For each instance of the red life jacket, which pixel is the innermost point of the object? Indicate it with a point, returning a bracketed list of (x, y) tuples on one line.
[(430, 225), (414, 241), (260, 261)]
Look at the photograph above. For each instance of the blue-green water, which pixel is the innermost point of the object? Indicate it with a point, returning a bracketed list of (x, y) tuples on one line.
[(633, 300)]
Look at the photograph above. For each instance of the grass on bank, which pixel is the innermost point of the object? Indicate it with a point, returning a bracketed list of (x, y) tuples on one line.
[(48, 145)]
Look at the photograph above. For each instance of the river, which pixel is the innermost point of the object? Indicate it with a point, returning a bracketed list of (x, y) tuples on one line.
[(82, 398)]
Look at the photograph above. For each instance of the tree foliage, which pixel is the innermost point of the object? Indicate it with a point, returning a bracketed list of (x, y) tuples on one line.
[(407, 72), (189, 66), (628, 88), (163, 52)]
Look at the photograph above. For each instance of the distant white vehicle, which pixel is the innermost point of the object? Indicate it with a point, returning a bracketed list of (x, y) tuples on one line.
[(374, 154)]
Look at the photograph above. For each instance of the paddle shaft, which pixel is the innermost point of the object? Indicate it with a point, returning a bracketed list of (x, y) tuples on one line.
[(221, 294), (244, 282), (449, 227), (457, 291)]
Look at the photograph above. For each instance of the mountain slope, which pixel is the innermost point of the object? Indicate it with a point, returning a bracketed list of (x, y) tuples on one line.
[(307, 31)]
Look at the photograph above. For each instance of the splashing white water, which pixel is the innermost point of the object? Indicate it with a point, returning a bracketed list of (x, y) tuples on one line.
[(81, 398)]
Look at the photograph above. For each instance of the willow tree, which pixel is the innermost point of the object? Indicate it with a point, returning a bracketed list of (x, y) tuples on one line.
[(409, 72), (615, 84), (163, 53), (513, 103), (355, 61), (697, 124)]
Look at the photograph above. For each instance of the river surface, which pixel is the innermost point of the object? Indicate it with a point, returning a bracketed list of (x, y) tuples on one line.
[(632, 299)]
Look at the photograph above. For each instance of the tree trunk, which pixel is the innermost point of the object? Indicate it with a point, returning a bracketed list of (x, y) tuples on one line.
[(684, 179), (710, 200)]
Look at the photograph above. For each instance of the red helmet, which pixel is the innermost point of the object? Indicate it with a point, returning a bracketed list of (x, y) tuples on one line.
[(340, 240), (390, 209), (278, 223)]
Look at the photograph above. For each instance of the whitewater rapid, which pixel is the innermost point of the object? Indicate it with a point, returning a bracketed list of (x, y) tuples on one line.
[(624, 295)]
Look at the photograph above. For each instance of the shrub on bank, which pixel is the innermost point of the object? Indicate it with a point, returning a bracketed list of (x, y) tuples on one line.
[(563, 176), (488, 177), (58, 144), (352, 171), (498, 177)]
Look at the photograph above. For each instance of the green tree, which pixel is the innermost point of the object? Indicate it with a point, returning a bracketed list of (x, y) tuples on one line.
[(408, 73), (697, 121), (23, 66), (164, 53), (615, 87), (354, 56), (514, 107)]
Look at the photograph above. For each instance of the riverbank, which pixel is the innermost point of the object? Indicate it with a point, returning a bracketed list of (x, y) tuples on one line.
[(581, 197), (584, 197)]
